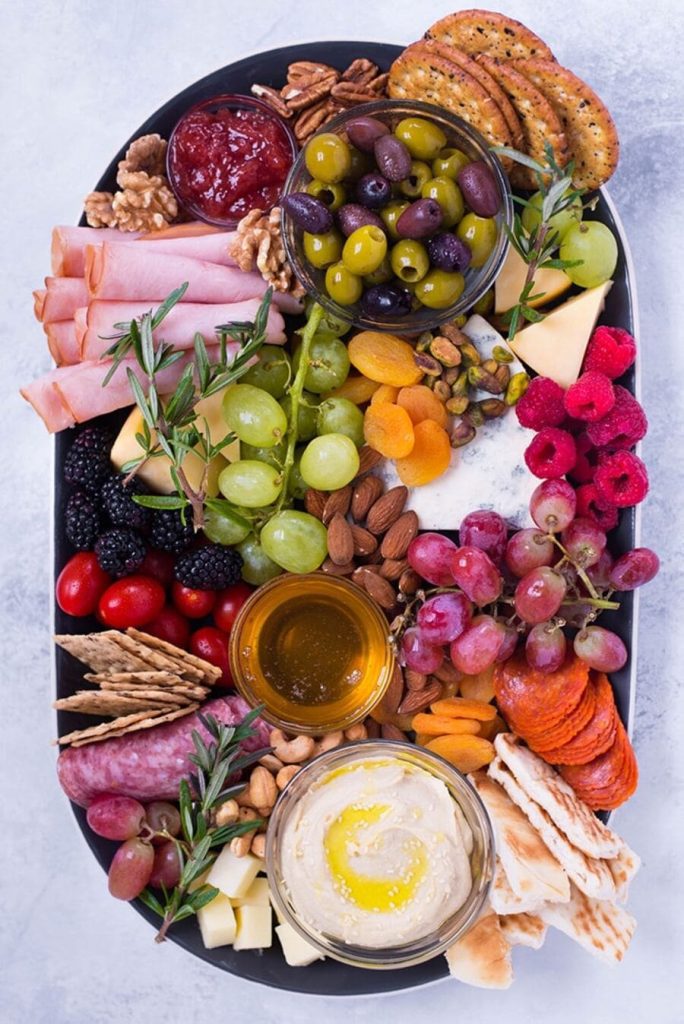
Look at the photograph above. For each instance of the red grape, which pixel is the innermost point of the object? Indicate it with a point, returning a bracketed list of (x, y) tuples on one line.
[(132, 601), (509, 642), (163, 817), (158, 564), (80, 585), (600, 649), (115, 817), (212, 645), (633, 569), (478, 647), (166, 870), (171, 626), (476, 575), (487, 531), (539, 594), (418, 654), (443, 617), (527, 550), (545, 647), (130, 869), (228, 605), (599, 572), (194, 604), (584, 541), (553, 505), (430, 554)]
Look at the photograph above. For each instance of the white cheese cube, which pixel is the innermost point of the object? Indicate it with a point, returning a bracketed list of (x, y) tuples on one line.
[(217, 922), (296, 950), (256, 896), (234, 875), (254, 928)]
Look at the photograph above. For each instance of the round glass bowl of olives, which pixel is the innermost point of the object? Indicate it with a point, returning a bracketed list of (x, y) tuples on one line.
[(394, 216)]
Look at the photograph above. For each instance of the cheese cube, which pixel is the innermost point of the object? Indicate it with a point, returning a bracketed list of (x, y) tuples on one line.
[(217, 922), (234, 875), (254, 928), (296, 950), (256, 896)]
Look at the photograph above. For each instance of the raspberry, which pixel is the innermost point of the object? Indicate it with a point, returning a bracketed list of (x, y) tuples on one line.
[(611, 351), (623, 426), (587, 460), (541, 405), (551, 453), (621, 479), (591, 397), (590, 505)]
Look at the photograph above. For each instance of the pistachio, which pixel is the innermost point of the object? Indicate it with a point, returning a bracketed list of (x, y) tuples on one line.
[(474, 415), (454, 333), (502, 355), (462, 434), (441, 389), (424, 341), (451, 375), (517, 386), (460, 386), (503, 375), (458, 405), (478, 377), (492, 408), (445, 351), (470, 355), (490, 365), (427, 364)]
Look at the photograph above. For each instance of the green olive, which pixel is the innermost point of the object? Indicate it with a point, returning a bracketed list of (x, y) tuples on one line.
[(449, 163), (381, 275), (343, 286), (485, 303), (410, 261), (333, 195), (391, 214), (479, 234), (448, 195), (361, 163), (420, 173), (327, 157), (322, 250), (422, 138), (364, 250), (440, 289)]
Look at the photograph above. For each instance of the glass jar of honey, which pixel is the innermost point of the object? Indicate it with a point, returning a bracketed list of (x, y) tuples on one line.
[(314, 650)]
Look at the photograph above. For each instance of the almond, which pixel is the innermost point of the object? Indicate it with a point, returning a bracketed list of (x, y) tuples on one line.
[(386, 510), (314, 502), (393, 568), (337, 501), (391, 698), (380, 590), (415, 680), (338, 570), (391, 732), (368, 459), (372, 728), (340, 540), (397, 539), (366, 493), (418, 700), (409, 581), (448, 673), (364, 541)]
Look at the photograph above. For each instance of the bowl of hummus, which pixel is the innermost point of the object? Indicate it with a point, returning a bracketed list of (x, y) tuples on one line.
[(379, 854)]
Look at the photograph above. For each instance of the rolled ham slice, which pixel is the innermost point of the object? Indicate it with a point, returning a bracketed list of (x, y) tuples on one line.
[(94, 324), (68, 245), (61, 298), (63, 342)]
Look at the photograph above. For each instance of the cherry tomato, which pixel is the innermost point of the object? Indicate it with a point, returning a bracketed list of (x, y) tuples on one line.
[(159, 565), (80, 584), (132, 601), (194, 604), (212, 645), (228, 604), (171, 626)]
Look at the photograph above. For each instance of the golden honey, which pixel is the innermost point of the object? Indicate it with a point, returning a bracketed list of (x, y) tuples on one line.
[(314, 650)]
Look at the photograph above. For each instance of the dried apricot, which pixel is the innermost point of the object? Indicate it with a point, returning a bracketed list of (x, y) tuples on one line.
[(385, 393), (479, 687), (488, 730), (441, 725), (356, 388), (384, 358), (422, 404), (429, 457), (389, 430), (459, 707), (467, 753)]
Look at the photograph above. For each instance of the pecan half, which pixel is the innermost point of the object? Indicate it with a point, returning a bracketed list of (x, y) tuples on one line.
[(273, 98), (351, 93), (361, 71)]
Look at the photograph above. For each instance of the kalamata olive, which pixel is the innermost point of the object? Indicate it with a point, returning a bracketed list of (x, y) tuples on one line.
[(308, 213), (392, 157), (479, 189), (448, 252), (352, 216), (373, 191), (362, 132), (386, 300), (421, 219)]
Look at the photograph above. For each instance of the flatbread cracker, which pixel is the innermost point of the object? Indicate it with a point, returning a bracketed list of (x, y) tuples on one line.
[(105, 729), (623, 869), (147, 721), (182, 689), (155, 659), (590, 131), (150, 678), (101, 651), (602, 928), (95, 702), (524, 930), (204, 671), (482, 957), (150, 696), (476, 31)]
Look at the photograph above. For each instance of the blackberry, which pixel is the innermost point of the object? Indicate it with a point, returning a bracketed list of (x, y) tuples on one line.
[(117, 501), (82, 520), (211, 567), (169, 533), (120, 552), (87, 461)]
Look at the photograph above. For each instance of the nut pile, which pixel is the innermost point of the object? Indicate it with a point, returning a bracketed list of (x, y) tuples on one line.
[(144, 201), (258, 245)]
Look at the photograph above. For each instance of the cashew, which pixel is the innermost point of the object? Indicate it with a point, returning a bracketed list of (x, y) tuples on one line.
[(258, 847), (263, 791), (271, 762), (296, 751), (286, 775), (228, 813), (244, 799), (329, 742), (248, 814), (240, 845), (356, 732)]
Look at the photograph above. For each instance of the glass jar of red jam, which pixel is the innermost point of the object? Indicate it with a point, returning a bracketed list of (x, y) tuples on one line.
[(229, 155)]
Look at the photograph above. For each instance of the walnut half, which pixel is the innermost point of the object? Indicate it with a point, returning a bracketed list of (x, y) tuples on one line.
[(258, 245)]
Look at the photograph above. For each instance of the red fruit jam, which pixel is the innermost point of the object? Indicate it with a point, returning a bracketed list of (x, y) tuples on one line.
[(226, 159)]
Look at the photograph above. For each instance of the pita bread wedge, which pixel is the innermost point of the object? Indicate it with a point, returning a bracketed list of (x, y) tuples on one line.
[(623, 869), (546, 787), (602, 928), (524, 930), (592, 876), (504, 901), (530, 867), (482, 957)]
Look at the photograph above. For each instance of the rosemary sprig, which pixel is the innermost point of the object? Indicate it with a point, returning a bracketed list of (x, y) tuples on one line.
[(129, 334), (198, 797)]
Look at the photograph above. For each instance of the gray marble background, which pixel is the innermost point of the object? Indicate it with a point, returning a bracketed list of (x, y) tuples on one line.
[(78, 77)]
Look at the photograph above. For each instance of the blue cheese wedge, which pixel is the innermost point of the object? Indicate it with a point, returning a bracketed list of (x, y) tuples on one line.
[(488, 473)]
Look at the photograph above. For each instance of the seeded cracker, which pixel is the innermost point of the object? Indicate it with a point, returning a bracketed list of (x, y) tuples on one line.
[(149, 697), (183, 689), (204, 671), (94, 702), (155, 659), (476, 31), (121, 726), (102, 652), (137, 678)]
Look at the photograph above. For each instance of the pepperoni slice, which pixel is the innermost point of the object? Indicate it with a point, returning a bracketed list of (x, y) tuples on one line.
[(598, 735), (603, 780), (536, 702)]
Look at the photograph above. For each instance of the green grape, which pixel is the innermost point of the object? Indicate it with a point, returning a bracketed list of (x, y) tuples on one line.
[(272, 372), (340, 416), (274, 456), (296, 485), (328, 364), (257, 567), (306, 414), (560, 222), (329, 323), (329, 462), (254, 415), (594, 244), (296, 541), (223, 526), (250, 483)]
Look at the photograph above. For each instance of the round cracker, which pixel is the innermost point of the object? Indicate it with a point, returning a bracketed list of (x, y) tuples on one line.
[(590, 131), (475, 31)]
